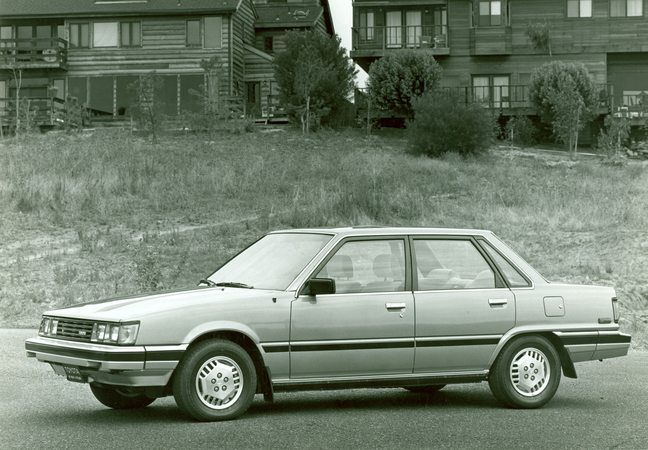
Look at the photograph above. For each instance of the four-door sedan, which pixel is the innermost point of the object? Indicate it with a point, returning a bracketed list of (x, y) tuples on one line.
[(307, 309)]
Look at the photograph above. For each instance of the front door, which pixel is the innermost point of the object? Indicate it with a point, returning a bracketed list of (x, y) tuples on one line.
[(367, 326), (394, 29), (462, 306), (414, 29), (253, 100), (501, 91)]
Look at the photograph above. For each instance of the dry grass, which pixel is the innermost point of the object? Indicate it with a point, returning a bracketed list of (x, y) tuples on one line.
[(90, 216)]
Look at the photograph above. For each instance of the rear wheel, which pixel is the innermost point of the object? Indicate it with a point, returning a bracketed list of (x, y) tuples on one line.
[(216, 380), (526, 374), (116, 398)]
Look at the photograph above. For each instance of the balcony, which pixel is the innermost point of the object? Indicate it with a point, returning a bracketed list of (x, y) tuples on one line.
[(45, 53), (45, 111), (633, 107), (490, 41), (509, 100), (371, 43)]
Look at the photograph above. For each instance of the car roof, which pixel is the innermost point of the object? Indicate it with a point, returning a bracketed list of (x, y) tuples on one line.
[(382, 231)]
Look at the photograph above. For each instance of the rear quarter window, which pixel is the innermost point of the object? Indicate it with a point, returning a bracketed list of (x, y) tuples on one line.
[(513, 276)]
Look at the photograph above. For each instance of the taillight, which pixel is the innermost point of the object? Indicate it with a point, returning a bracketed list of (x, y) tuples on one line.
[(615, 309)]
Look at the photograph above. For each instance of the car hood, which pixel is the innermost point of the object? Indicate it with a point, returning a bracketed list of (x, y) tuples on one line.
[(140, 306)]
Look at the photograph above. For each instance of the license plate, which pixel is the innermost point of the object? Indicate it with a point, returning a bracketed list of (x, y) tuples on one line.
[(73, 374)]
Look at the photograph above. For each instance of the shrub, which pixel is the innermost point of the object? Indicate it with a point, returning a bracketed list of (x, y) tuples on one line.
[(565, 96), (314, 76), (146, 103), (521, 130), (401, 77), (445, 123), (615, 134)]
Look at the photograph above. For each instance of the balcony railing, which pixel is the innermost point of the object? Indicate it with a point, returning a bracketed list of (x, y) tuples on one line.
[(630, 106), (381, 38), (508, 97), (33, 53), (45, 110)]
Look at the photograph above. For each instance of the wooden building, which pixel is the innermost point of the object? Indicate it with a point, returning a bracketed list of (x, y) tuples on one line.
[(484, 50), (94, 49)]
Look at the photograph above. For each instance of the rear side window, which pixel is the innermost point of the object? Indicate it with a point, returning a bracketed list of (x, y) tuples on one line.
[(449, 264), (514, 277)]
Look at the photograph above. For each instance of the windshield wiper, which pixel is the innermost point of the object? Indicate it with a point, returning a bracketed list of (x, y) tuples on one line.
[(207, 282), (234, 284)]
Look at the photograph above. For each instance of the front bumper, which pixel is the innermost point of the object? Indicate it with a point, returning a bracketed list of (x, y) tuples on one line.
[(108, 364)]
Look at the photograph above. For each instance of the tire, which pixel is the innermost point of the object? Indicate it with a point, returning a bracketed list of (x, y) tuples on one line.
[(526, 374), (216, 380), (431, 389), (114, 398)]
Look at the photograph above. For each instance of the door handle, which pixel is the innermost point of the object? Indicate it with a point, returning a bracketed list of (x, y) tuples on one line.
[(395, 305), (497, 301)]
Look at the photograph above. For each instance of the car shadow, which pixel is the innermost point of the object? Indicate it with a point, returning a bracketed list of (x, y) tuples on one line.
[(460, 397)]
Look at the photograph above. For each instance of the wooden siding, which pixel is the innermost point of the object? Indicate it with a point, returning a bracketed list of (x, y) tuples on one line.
[(163, 50), (506, 50), (243, 33)]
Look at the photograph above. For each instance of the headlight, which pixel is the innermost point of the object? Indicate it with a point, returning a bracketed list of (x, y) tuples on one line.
[(115, 333), (80, 330), (48, 327)]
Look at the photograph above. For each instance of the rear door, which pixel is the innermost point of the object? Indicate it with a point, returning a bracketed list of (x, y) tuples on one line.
[(463, 306), (367, 326)]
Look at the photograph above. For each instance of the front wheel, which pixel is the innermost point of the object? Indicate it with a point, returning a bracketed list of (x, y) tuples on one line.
[(115, 398), (216, 380), (526, 374)]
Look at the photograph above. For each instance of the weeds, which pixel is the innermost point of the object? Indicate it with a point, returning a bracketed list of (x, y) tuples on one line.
[(109, 186)]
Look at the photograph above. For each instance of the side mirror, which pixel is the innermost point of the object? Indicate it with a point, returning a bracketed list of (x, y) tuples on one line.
[(319, 286)]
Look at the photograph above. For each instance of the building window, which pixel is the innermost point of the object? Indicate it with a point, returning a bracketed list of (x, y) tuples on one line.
[(367, 24), (268, 43), (213, 32), (80, 35), (193, 33), (492, 90), (579, 8), (489, 14), (414, 30), (131, 34), (105, 34), (626, 8)]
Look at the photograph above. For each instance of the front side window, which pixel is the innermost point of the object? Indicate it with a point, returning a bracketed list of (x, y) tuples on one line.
[(579, 8), (131, 34), (626, 8), (105, 34), (450, 264), (367, 266)]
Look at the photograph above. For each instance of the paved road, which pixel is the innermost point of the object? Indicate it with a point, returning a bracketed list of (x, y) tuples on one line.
[(606, 408)]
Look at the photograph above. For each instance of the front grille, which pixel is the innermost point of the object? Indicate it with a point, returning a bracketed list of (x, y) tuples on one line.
[(79, 330)]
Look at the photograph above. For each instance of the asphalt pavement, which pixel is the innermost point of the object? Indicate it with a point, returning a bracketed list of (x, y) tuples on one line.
[(605, 408)]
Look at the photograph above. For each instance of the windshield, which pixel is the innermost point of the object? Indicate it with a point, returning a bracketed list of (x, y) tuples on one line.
[(272, 262)]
